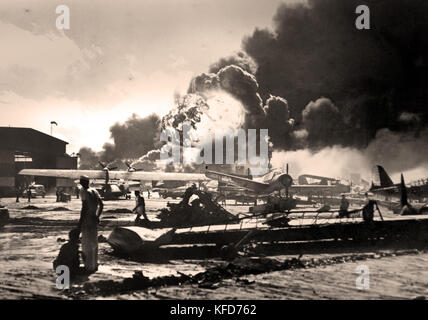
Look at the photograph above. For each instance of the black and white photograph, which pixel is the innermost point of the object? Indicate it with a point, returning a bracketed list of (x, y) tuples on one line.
[(228, 151)]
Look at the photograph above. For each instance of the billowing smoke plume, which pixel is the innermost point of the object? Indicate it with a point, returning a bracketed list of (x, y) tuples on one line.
[(278, 122), (324, 124), (229, 99), (399, 151), (327, 92), (373, 76), (396, 152), (239, 59), (240, 84), (88, 158), (374, 81), (136, 136)]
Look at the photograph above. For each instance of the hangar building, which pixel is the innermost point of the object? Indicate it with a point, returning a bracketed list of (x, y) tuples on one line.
[(26, 148)]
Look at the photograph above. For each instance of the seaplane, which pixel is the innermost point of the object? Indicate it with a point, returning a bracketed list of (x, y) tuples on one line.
[(113, 190)]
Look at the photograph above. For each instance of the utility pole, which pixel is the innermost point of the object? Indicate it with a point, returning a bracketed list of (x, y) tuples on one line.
[(53, 123)]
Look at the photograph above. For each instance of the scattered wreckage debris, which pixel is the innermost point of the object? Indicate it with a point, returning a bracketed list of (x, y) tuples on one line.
[(129, 240), (202, 210), (231, 251), (278, 230), (4, 216), (210, 278)]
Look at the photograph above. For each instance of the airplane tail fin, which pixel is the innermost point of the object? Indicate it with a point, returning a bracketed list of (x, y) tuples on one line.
[(403, 190), (384, 179)]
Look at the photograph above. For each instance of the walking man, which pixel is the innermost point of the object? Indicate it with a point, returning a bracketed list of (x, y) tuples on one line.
[(140, 207), (92, 208)]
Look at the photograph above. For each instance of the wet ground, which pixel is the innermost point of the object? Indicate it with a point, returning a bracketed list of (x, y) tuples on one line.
[(30, 242)]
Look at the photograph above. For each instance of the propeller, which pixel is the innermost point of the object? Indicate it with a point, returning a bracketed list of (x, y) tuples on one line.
[(106, 166), (131, 168)]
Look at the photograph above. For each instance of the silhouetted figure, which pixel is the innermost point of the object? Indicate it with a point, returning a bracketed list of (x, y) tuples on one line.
[(18, 191), (344, 205), (69, 253), (29, 194), (368, 211), (140, 207), (92, 208)]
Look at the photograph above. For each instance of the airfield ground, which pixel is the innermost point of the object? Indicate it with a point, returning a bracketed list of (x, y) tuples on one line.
[(31, 240)]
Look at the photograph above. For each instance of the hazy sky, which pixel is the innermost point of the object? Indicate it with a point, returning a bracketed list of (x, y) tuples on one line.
[(118, 57)]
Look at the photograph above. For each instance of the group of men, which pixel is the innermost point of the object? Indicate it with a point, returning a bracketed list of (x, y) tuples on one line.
[(92, 208), (19, 190)]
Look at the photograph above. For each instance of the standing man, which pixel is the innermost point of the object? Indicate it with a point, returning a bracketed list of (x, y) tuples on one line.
[(368, 210), (344, 205), (140, 207), (29, 194), (92, 208), (18, 191)]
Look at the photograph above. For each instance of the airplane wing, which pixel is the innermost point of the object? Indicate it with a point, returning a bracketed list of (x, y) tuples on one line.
[(388, 189), (237, 181), (125, 175), (308, 188), (59, 173)]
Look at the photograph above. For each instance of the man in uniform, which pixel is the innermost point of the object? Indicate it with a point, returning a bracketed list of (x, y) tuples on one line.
[(140, 207), (92, 208)]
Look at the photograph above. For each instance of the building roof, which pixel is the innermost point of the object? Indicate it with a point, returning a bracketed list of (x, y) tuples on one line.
[(20, 130), (28, 139)]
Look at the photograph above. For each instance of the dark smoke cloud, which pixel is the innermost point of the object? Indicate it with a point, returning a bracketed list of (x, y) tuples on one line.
[(136, 136), (240, 59), (323, 123), (373, 75), (278, 122), (88, 159), (317, 83)]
